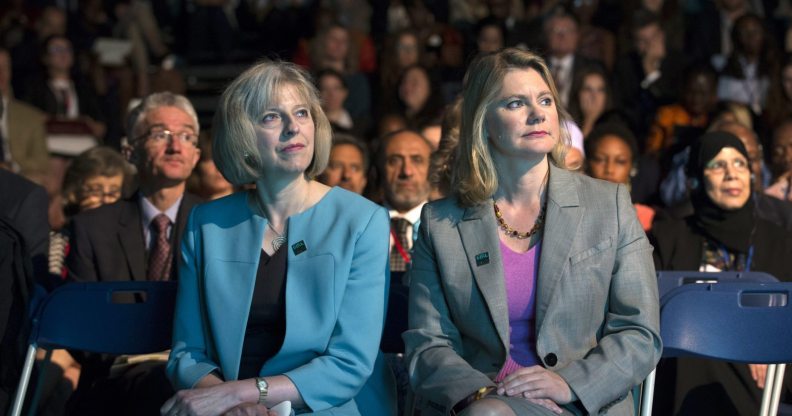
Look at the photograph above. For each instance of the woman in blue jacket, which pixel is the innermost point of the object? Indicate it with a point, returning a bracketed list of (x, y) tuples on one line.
[(282, 289)]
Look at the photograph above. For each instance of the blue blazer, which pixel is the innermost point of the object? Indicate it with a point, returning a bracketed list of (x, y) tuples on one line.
[(336, 294)]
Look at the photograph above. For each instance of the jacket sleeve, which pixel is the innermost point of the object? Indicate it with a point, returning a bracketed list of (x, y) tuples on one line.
[(433, 343), (352, 349), (630, 345), (189, 359)]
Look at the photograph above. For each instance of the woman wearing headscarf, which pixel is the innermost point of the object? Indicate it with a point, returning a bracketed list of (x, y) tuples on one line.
[(722, 234)]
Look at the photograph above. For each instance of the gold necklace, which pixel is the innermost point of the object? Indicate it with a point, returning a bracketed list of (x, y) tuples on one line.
[(511, 232)]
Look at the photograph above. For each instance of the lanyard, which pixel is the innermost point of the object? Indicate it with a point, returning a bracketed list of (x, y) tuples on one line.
[(726, 260), (399, 247)]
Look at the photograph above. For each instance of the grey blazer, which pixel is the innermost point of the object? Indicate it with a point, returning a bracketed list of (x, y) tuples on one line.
[(597, 314)]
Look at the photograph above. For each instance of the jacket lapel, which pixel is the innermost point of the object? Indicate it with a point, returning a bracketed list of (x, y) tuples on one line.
[(482, 249), (130, 235), (563, 218)]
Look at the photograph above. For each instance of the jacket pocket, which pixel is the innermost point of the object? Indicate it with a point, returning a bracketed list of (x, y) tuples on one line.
[(598, 248)]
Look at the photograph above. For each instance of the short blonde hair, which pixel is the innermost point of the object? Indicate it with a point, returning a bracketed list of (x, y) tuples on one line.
[(234, 139), (474, 177)]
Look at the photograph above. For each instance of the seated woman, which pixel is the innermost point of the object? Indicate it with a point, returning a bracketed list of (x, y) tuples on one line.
[(723, 234), (282, 289), (532, 288), (612, 156)]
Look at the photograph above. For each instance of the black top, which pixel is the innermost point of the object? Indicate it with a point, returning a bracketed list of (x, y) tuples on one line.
[(266, 326)]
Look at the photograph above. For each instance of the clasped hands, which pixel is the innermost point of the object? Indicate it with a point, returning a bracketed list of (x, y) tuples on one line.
[(220, 399), (537, 385)]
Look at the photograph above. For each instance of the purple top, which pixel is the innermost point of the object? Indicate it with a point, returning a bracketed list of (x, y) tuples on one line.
[(520, 271)]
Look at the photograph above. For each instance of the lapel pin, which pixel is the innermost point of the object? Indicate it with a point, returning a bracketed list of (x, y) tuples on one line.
[(482, 258), (299, 247)]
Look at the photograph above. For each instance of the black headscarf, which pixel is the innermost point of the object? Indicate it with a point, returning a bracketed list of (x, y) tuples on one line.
[(732, 228)]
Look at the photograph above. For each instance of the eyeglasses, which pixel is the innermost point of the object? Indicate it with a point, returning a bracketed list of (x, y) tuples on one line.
[(100, 192), (719, 166), (163, 136)]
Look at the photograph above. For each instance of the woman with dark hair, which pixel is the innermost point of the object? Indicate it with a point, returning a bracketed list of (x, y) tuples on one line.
[(612, 155), (746, 76), (419, 100), (590, 97), (723, 234)]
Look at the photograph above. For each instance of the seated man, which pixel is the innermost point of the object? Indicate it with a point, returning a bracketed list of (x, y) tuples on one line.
[(134, 239)]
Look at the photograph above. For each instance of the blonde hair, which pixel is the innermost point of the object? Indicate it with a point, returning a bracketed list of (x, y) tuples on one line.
[(234, 144), (474, 177)]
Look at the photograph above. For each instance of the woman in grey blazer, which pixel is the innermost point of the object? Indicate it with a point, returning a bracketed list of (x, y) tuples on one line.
[(532, 288)]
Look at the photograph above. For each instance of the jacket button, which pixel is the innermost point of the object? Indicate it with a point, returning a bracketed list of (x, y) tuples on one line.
[(551, 359)]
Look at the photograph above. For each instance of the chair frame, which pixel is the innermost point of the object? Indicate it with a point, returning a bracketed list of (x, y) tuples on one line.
[(125, 317), (746, 322)]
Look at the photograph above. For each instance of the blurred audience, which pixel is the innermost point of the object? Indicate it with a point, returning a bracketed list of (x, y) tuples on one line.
[(676, 125), (62, 92), (746, 76), (561, 34), (649, 75), (779, 95)]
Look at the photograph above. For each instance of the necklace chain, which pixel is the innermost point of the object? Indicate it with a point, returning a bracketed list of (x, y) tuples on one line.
[(280, 239), (511, 232)]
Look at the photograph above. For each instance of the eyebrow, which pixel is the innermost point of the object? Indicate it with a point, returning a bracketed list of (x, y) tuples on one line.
[(163, 126)]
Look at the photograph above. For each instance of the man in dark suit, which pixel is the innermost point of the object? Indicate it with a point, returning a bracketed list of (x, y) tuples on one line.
[(138, 239), (562, 35), (114, 242)]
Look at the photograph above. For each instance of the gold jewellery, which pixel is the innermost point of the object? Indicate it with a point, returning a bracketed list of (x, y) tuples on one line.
[(511, 232)]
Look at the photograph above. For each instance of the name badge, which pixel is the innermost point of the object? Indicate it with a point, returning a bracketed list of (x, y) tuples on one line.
[(482, 258), (299, 247)]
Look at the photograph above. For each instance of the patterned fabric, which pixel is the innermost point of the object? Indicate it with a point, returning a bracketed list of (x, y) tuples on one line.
[(160, 256), (712, 257), (397, 261)]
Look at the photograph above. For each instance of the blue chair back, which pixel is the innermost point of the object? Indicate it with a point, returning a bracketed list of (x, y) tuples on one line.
[(107, 317), (738, 322), (667, 280)]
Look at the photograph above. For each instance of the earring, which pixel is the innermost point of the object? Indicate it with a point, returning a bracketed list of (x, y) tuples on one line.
[(633, 172)]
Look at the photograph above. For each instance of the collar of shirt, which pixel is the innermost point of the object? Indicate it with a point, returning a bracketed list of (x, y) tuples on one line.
[(413, 215), (149, 211)]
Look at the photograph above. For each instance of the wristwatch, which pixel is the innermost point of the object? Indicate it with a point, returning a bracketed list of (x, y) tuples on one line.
[(263, 388)]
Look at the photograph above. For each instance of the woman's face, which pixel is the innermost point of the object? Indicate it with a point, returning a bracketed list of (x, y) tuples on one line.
[(332, 92), (100, 190), (593, 95), (407, 50), (727, 179), (786, 81), (522, 122), (611, 160), (285, 133), (414, 89)]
